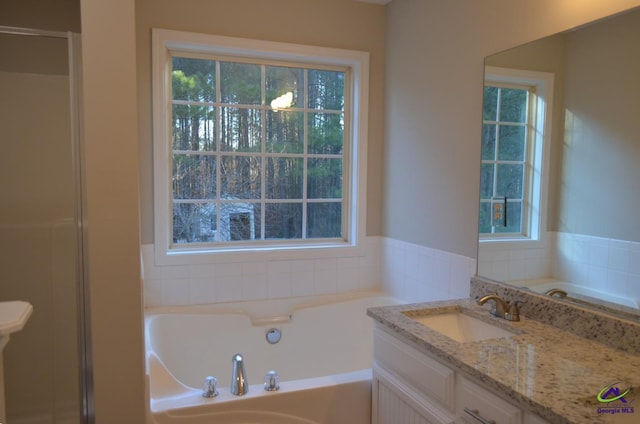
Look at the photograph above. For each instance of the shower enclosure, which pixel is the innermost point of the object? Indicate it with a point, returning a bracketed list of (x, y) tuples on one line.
[(41, 240)]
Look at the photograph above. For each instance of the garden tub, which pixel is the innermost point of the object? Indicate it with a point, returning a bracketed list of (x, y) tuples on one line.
[(323, 358)]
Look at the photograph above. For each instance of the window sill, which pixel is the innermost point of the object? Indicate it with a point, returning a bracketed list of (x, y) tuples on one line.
[(200, 256), (522, 242)]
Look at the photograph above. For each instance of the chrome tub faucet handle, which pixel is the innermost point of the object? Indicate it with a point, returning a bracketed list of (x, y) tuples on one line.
[(210, 387), (271, 381)]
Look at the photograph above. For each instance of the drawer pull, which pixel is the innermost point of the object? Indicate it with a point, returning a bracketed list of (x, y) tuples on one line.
[(476, 414)]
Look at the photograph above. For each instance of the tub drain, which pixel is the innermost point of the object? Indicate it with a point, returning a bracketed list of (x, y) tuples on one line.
[(273, 335)]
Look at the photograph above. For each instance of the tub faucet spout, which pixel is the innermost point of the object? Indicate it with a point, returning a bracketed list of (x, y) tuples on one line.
[(239, 385)]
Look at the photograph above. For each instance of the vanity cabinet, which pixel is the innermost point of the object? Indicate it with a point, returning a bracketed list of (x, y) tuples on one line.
[(410, 386)]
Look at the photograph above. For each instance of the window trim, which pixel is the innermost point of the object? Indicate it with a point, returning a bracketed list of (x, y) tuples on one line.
[(540, 149), (164, 41)]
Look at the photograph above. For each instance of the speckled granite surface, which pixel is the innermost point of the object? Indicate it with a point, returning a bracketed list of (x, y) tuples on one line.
[(612, 330), (551, 372)]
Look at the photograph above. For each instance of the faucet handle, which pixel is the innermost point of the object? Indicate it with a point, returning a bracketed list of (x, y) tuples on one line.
[(210, 387), (514, 311), (271, 381)]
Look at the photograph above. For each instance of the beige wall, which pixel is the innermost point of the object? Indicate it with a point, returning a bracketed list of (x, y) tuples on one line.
[(329, 23), (34, 55), (113, 236), (58, 15), (433, 98), (601, 149), (45, 55)]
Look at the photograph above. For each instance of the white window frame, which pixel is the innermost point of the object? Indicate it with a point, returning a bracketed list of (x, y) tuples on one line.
[(166, 41), (537, 172)]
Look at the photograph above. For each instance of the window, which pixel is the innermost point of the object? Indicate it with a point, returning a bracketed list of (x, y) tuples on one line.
[(505, 133), (258, 145), (516, 118)]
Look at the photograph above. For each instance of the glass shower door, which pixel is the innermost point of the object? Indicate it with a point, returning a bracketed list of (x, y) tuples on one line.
[(39, 234)]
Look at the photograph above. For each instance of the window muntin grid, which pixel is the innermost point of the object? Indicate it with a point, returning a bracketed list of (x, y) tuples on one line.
[(506, 159), (226, 158)]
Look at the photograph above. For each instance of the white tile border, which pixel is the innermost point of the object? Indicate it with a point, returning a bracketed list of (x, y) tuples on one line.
[(169, 285), (415, 273), (600, 263), (407, 271)]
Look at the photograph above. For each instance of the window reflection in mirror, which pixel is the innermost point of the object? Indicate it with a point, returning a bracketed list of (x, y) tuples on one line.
[(588, 239)]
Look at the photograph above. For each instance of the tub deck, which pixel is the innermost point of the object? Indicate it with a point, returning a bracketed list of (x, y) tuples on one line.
[(318, 386)]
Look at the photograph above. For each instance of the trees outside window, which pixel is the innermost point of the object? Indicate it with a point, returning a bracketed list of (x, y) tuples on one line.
[(256, 147), (267, 139), (516, 127), (506, 128)]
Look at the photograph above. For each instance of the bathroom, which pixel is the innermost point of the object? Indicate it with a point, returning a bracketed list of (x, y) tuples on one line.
[(432, 47)]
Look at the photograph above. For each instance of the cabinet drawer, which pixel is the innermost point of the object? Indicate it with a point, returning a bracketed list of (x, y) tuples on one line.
[(395, 402), (484, 404), (424, 374)]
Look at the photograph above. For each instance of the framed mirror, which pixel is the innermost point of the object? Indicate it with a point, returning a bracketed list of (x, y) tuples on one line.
[(560, 183)]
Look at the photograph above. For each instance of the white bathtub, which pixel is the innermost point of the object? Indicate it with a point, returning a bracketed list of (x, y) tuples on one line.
[(323, 359), (581, 292)]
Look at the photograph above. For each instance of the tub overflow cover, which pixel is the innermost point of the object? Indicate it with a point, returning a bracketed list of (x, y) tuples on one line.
[(273, 335)]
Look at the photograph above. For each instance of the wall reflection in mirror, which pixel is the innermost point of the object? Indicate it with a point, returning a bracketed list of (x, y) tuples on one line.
[(582, 233)]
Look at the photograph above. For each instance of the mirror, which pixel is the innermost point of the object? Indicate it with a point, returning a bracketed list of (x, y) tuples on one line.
[(586, 239)]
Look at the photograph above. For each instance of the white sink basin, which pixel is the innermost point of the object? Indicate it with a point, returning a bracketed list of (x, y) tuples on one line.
[(461, 327)]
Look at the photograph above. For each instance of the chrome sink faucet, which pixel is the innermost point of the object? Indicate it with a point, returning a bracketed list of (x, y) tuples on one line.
[(501, 308)]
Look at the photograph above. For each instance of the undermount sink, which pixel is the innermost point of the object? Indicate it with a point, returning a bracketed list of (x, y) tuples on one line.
[(461, 327)]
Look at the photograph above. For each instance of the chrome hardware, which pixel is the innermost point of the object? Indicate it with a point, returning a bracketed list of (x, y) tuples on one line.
[(210, 387), (561, 293), (273, 335), (271, 381), (239, 385), (502, 308), (476, 414)]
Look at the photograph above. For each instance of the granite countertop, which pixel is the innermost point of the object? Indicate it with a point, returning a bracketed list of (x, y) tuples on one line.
[(548, 371)]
